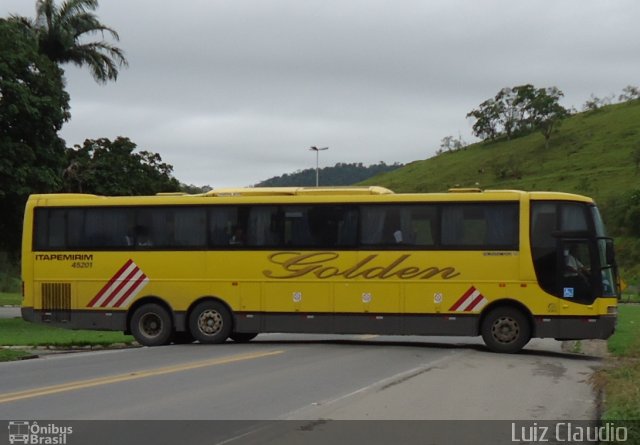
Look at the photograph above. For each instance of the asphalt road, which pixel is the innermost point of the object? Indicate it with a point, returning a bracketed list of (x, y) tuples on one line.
[(303, 377)]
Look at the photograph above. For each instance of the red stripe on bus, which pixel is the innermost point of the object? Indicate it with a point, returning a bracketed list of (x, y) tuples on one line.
[(108, 285), (474, 303), (466, 295), (133, 288), (122, 284)]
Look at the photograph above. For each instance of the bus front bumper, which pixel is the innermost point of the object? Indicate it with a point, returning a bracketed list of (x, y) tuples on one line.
[(575, 328)]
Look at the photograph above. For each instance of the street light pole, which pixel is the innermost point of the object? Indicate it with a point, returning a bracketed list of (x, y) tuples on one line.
[(318, 150)]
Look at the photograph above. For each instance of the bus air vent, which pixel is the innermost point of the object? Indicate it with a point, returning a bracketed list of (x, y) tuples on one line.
[(56, 296)]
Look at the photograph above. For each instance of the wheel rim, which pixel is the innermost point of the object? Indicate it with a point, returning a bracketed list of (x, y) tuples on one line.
[(210, 322), (150, 325), (505, 330)]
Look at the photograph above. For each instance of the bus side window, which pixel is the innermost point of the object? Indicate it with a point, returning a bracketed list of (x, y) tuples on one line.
[(223, 222), (106, 227), (347, 227), (398, 226), (424, 220), (171, 227), (372, 222), (462, 225), (57, 229), (333, 226), (50, 232), (480, 226), (263, 226), (141, 236), (297, 227)]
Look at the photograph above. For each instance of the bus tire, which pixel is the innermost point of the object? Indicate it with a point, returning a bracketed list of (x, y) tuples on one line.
[(151, 325), (243, 337), (505, 329), (210, 322)]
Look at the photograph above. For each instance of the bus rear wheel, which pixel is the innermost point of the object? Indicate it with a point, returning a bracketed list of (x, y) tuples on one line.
[(151, 325), (210, 322), (505, 329)]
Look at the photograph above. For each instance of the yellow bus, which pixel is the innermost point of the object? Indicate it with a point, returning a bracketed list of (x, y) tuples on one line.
[(233, 263)]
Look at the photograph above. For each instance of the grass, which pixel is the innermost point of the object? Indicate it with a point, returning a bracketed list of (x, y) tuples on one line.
[(630, 298), (17, 332), (8, 355), (10, 299), (626, 341), (621, 377)]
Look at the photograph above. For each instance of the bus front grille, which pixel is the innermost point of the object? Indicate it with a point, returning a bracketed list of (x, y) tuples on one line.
[(56, 301)]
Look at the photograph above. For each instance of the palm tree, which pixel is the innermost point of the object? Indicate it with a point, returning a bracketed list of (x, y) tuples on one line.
[(61, 32)]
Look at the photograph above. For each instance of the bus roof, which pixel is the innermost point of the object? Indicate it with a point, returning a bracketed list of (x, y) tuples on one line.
[(297, 191), (290, 194)]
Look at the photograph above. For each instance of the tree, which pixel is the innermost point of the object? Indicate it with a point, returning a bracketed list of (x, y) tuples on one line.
[(509, 113), (504, 114), (519, 110), (545, 111), (33, 108), (487, 116), (594, 103), (62, 33), (106, 167), (450, 143), (629, 93)]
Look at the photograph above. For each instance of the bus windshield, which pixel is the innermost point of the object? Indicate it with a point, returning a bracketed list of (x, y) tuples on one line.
[(573, 256)]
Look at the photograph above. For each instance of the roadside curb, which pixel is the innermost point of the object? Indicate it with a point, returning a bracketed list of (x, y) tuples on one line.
[(72, 347), (39, 351)]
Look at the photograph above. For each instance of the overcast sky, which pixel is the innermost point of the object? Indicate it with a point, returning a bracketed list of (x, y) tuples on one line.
[(234, 92)]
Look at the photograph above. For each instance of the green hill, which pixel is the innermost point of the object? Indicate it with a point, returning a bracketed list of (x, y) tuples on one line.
[(339, 174), (593, 153)]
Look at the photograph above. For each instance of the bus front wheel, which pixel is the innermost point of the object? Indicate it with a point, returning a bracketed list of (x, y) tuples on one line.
[(151, 325), (505, 329), (210, 322)]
